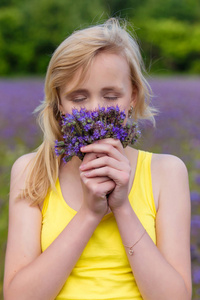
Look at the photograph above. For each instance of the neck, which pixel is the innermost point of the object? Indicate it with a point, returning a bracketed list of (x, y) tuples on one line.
[(72, 165)]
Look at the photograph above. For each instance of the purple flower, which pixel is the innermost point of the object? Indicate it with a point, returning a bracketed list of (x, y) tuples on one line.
[(84, 127), (96, 134), (95, 114), (74, 140), (197, 179), (195, 196), (196, 275), (87, 127), (195, 255), (195, 224)]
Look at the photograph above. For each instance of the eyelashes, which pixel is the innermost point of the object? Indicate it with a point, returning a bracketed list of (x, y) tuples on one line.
[(110, 98), (77, 100)]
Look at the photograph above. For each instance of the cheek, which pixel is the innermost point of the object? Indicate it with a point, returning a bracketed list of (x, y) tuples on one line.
[(65, 107), (126, 106)]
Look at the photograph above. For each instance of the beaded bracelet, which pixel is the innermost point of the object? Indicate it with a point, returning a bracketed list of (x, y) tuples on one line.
[(130, 248)]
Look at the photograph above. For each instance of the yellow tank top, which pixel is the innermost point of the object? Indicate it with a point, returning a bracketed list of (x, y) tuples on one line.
[(103, 270)]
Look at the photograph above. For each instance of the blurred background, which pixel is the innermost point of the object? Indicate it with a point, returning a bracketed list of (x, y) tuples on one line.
[(168, 32)]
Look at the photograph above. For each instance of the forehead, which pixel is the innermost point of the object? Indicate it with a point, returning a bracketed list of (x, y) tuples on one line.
[(111, 60), (105, 67), (112, 64)]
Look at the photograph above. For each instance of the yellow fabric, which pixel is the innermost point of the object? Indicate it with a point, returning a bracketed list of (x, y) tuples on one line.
[(103, 270)]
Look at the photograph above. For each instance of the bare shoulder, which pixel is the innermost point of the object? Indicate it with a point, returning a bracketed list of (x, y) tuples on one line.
[(168, 165), (22, 163), (19, 173), (170, 179)]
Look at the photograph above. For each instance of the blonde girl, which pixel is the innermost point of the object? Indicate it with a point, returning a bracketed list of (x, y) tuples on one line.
[(115, 225)]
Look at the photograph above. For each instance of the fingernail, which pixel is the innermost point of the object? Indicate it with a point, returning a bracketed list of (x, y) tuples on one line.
[(86, 174)]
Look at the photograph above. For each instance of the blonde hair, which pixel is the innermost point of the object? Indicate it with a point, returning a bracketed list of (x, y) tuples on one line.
[(76, 53)]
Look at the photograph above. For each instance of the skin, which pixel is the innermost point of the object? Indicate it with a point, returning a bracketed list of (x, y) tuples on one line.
[(161, 271)]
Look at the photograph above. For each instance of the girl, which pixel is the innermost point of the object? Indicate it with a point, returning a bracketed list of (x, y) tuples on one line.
[(67, 239)]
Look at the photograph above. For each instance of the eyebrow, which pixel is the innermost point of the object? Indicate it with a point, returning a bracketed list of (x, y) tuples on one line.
[(85, 91), (75, 92), (113, 88)]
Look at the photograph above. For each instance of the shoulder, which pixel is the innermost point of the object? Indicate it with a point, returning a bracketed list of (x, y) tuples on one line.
[(168, 163), (22, 163), (171, 175), (19, 173)]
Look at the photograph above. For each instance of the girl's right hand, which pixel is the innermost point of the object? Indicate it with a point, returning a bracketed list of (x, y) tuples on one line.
[(95, 190)]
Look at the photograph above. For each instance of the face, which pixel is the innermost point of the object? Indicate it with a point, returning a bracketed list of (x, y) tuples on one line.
[(107, 83)]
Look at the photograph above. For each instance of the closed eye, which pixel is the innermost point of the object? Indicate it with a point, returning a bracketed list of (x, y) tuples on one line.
[(111, 98), (78, 99)]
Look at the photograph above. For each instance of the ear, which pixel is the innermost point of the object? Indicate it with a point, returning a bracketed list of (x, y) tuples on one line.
[(134, 96), (60, 107)]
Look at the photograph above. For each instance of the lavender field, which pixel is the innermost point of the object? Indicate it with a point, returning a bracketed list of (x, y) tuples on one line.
[(177, 132)]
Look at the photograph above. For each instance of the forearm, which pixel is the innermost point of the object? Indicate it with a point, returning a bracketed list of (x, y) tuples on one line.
[(155, 277), (45, 276)]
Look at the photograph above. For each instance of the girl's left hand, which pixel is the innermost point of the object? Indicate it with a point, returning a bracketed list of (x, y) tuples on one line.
[(110, 162)]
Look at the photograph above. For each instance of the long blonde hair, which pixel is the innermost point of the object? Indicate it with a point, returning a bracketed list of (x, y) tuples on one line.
[(76, 53)]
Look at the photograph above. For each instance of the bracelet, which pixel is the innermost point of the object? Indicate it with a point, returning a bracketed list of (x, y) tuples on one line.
[(130, 248)]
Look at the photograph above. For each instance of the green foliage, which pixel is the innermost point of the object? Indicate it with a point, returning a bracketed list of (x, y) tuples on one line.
[(31, 30), (11, 24), (183, 10), (123, 8), (170, 45)]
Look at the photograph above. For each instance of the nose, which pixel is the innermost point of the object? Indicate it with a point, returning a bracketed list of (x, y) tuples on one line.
[(94, 104)]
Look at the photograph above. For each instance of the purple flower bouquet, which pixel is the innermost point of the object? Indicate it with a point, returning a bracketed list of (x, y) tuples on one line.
[(84, 127)]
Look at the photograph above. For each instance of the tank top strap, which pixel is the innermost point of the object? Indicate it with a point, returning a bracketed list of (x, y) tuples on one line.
[(45, 204), (144, 167), (48, 197), (142, 184)]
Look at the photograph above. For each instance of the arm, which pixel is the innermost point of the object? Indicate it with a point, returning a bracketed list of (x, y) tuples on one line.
[(162, 271), (30, 274)]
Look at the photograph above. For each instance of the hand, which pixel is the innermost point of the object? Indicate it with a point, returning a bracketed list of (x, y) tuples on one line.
[(112, 164), (95, 188)]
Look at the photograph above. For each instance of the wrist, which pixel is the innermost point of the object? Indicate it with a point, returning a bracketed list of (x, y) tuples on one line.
[(125, 214), (91, 216), (123, 209)]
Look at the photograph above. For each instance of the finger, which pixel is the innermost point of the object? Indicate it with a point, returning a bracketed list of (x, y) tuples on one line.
[(114, 142), (88, 157), (95, 179), (103, 161), (120, 177), (91, 156), (99, 185), (103, 148)]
